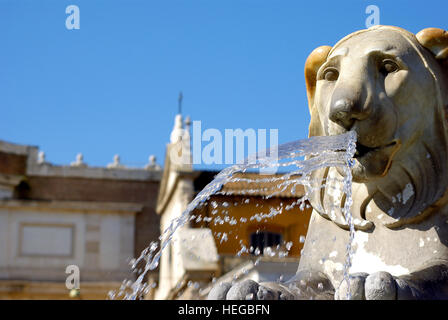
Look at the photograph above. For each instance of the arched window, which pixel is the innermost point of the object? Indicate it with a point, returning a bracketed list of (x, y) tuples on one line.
[(263, 239)]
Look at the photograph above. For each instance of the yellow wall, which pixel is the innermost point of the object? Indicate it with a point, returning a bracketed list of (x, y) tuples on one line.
[(291, 223)]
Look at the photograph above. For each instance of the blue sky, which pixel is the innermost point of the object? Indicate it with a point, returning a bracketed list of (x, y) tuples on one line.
[(112, 86)]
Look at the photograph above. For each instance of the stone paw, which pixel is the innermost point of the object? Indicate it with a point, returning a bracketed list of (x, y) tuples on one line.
[(376, 286), (250, 290)]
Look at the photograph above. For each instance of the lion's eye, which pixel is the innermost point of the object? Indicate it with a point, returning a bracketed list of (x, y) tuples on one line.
[(331, 74), (388, 66)]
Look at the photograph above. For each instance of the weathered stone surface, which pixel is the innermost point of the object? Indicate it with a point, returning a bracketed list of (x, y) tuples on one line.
[(379, 82), (219, 291), (404, 292), (265, 293), (391, 88), (380, 286), (274, 291), (197, 250), (357, 292), (245, 290)]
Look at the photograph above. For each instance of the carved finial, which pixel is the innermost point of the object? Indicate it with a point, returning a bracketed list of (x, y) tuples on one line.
[(152, 165), (41, 157), (79, 162), (177, 132), (116, 163)]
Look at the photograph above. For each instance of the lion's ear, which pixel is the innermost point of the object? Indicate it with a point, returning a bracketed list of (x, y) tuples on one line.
[(312, 65), (436, 40)]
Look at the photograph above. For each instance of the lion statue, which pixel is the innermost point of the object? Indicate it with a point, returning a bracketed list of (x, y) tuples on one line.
[(390, 87)]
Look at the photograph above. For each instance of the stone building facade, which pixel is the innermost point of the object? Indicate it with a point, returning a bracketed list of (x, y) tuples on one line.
[(52, 217)]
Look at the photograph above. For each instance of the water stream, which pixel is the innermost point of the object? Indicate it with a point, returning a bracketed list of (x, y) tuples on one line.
[(295, 161)]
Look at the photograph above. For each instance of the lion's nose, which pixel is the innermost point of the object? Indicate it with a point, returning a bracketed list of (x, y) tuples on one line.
[(344, 112)]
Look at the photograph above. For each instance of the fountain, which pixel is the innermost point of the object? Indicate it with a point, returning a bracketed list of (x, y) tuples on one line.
[(374, 171), (305, 156)]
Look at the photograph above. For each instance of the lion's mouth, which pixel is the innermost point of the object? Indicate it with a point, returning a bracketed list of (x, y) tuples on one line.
[(362, 150)]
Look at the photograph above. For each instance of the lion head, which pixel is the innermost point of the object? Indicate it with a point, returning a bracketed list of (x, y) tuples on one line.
[(390, 87)]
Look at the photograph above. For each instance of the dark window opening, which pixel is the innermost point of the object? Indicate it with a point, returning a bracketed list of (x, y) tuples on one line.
[(22, 191), (263, 239)]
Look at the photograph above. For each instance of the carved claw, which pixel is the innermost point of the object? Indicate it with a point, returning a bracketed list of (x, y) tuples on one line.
[(357, 291), (219, 291), (244, 290), (376, 286), (380, 286)]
